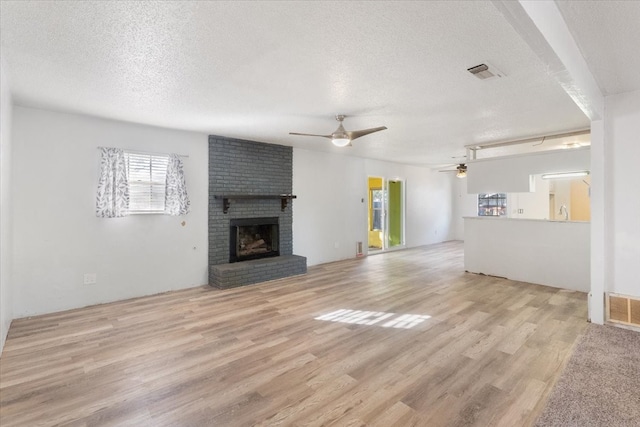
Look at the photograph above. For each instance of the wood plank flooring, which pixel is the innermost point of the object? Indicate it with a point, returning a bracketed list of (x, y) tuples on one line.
[(488, 354)]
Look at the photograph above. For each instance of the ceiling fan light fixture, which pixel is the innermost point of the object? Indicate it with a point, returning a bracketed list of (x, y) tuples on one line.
[(341, 137), (461, 173), (341, 141)]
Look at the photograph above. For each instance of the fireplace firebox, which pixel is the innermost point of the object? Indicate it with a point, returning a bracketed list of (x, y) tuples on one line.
[(253, 238)]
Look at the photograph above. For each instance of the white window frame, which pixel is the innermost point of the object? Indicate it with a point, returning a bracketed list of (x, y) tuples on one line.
[(497, 204), (147, 177)]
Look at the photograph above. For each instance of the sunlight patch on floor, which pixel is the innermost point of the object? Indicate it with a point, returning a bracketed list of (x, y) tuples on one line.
[(358, 317)]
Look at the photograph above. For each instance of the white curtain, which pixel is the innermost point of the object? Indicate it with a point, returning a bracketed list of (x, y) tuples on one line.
[(112, 199), (176, 198)]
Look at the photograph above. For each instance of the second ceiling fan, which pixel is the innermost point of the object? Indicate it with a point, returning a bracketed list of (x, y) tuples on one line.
[(341, 137), (460, 170)]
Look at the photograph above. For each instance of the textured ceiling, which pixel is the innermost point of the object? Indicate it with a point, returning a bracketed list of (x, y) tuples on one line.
[(608, 34), (259, 70)]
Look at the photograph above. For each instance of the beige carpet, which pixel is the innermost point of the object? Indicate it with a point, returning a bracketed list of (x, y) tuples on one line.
[(601, 384)]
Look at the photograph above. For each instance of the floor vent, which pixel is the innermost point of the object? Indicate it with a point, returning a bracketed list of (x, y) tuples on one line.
[(623, 309)]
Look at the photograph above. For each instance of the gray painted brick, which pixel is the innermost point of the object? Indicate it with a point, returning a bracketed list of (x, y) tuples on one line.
[(249, 167)]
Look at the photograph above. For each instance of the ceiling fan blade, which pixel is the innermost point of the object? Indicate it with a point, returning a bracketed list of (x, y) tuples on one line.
[(460, 167), (358, 133), (309, 134)]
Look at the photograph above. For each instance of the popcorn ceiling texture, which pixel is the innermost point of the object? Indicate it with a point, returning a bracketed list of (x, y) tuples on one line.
[(613, 60), (259, 70)]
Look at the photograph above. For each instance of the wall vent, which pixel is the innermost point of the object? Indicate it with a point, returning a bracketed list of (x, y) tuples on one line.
[(623, 309), (485, 71)]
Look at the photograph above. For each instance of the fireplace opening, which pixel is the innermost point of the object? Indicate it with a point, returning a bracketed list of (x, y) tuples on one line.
[(253, 238)]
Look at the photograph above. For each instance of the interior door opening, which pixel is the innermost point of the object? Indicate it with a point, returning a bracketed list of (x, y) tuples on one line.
[(376, 213), (385, 214)]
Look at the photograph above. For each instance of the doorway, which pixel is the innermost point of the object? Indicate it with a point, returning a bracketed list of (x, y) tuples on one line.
[(386, 214)]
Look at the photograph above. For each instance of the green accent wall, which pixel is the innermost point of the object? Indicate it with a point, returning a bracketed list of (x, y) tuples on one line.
[(395, 213)]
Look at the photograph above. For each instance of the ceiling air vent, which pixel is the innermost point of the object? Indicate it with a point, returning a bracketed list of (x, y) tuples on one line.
[(485, 71)]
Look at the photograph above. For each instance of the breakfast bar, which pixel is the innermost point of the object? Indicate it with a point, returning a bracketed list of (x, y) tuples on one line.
[(546, 252)]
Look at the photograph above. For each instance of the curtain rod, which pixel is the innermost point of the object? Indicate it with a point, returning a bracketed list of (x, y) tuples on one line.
[(149, 152)]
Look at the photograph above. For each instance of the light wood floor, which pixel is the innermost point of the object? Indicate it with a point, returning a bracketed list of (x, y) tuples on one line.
[(488, 355)]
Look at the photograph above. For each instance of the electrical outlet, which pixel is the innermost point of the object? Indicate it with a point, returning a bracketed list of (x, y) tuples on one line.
[(90, 278), (520, 211)]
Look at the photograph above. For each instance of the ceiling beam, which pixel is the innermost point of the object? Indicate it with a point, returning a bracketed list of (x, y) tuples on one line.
[(524, 141), (541, 25)]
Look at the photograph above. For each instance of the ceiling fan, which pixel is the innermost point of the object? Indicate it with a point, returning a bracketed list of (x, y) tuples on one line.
[(460, 170), (341, 137)]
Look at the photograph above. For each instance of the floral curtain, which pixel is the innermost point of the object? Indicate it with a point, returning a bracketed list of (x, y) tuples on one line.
[(112, 199), (176, 198)]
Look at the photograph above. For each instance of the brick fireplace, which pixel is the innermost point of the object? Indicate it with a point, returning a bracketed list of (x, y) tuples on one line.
[(252, 176)]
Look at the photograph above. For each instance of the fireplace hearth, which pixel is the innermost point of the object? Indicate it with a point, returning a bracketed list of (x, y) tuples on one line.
[(253, 238)]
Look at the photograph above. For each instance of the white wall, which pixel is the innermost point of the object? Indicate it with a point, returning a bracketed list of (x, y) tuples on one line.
[(429, 206), (330, 213), (512, 174), (551, 253), (6, 233), (600, 251), (562, 196), (534, 205), (519, 177), (622, 133), (57, 237), (464, 204)]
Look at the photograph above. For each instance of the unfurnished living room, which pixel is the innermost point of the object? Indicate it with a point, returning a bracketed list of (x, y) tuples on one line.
[(315, 213)]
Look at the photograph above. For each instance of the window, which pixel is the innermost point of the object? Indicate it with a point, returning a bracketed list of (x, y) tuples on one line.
[(492, 204), (147, 175), (376, 209)]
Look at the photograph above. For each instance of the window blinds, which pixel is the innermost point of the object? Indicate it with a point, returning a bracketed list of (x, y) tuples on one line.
[(147, 175)]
